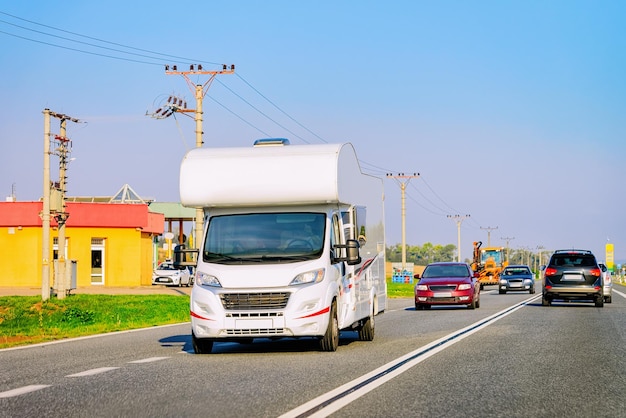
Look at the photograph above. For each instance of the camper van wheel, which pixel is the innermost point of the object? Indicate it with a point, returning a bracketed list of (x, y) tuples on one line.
[(201, 346), (330, 340), (366, 331)]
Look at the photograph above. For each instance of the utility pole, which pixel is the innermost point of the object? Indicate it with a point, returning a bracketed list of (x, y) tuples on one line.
[(459, 220), (199, 91), (508, 239), (489, 229), (60, 215), (403, 179), (45, 215)]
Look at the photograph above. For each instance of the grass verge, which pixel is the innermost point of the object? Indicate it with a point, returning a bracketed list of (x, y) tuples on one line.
[(29, 320)]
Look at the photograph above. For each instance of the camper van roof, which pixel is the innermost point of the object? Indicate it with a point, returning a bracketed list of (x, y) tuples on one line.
[(272, 175)]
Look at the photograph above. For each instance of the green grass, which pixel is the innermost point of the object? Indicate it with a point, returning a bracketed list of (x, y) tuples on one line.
[(399, 290), (28, 320)]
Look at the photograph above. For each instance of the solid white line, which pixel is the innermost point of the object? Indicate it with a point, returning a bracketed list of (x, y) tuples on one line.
[(92, 372), (149, 360), (336, 399), (21, 391)]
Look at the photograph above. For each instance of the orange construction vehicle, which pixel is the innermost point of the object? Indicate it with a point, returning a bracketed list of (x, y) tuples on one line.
[(488, 262)]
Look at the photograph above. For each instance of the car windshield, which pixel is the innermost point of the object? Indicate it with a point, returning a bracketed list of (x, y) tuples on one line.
[(261, 237), (516, 271), (166, 266), (434, 271)]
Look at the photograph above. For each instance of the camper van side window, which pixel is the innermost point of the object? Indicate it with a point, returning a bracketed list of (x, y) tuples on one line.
[(360, 224), (348, 224), (336, 237)]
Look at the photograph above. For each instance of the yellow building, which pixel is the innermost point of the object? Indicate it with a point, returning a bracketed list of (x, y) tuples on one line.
[(107, 244)]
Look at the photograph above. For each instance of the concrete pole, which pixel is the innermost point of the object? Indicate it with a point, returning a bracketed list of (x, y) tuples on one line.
[(60, 275), (403, 214), (198, 117), (458, 240), (45, 215)]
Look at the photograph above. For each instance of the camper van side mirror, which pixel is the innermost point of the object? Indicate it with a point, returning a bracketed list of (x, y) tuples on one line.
[(184, 258), (352, 252)]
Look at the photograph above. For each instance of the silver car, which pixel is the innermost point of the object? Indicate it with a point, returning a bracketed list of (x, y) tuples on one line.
[(607, 280)]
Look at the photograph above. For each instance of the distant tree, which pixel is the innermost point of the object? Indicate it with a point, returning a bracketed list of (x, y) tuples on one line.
[(421, 255)]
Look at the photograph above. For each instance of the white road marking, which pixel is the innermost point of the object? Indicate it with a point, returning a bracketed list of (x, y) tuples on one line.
[(149, 360), (92, 372), (21, 391), (332, 401)]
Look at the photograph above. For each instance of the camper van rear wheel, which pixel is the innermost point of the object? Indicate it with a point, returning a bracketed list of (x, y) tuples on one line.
[(330, 340), (201, 346), (366, 331)]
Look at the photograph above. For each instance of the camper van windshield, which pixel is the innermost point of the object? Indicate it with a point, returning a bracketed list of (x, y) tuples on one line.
[(255, 237)]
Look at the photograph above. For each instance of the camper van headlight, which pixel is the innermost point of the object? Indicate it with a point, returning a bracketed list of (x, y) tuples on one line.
[(204, 279), (314, 276)]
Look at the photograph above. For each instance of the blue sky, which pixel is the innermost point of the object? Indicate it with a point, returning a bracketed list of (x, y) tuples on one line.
[(511, 111)]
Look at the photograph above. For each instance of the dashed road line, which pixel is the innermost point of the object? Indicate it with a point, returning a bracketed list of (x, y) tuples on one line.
[(22, 391), (148, 360), (92, 372)]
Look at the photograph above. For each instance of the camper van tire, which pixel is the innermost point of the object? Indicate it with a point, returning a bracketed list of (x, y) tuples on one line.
[(330, 340), (201, 346), (366, 331)]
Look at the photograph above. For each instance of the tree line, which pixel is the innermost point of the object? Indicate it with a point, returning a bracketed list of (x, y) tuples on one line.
[(431, 253)]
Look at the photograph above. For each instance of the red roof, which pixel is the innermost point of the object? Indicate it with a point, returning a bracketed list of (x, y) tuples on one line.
[(85, 215)]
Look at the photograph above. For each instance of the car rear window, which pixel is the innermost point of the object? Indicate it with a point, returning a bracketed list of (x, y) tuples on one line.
[(514, 271), (573, 260)]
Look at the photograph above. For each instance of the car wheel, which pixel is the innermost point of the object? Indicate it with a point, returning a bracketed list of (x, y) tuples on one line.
[(600, 302), (418, 307), (545, 301), (532, 290), (502, 292), (201, 345), (330, 340), (608, 299), (366, 331), (473, 304)]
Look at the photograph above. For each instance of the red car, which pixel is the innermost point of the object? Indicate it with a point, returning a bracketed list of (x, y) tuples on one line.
[(447, 283)]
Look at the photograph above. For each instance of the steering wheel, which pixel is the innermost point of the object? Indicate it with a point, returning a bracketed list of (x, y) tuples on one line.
[(300, 243)]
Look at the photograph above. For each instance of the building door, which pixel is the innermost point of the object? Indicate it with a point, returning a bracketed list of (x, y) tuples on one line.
[(97, 261)]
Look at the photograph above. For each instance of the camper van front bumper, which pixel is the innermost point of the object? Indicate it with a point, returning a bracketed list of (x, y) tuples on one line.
[(279, 313)]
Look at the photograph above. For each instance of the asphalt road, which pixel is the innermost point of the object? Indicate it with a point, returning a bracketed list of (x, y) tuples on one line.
[(509, 358)]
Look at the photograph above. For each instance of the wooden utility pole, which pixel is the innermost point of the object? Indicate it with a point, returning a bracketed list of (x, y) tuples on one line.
[(199, 91)]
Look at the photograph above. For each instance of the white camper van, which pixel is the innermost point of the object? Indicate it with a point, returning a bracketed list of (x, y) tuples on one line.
[(293, 245)]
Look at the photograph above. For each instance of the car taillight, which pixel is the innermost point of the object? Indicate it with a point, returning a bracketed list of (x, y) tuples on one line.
[(596, 272), (550, 271)]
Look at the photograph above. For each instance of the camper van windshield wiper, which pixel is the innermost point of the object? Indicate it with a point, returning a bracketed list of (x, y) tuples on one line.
[(208, 255)]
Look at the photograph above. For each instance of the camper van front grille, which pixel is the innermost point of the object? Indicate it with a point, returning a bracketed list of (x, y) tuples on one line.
[(247, 301)]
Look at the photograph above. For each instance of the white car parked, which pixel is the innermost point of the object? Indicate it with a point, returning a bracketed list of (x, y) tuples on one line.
[(166, 274), (607, 279)]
